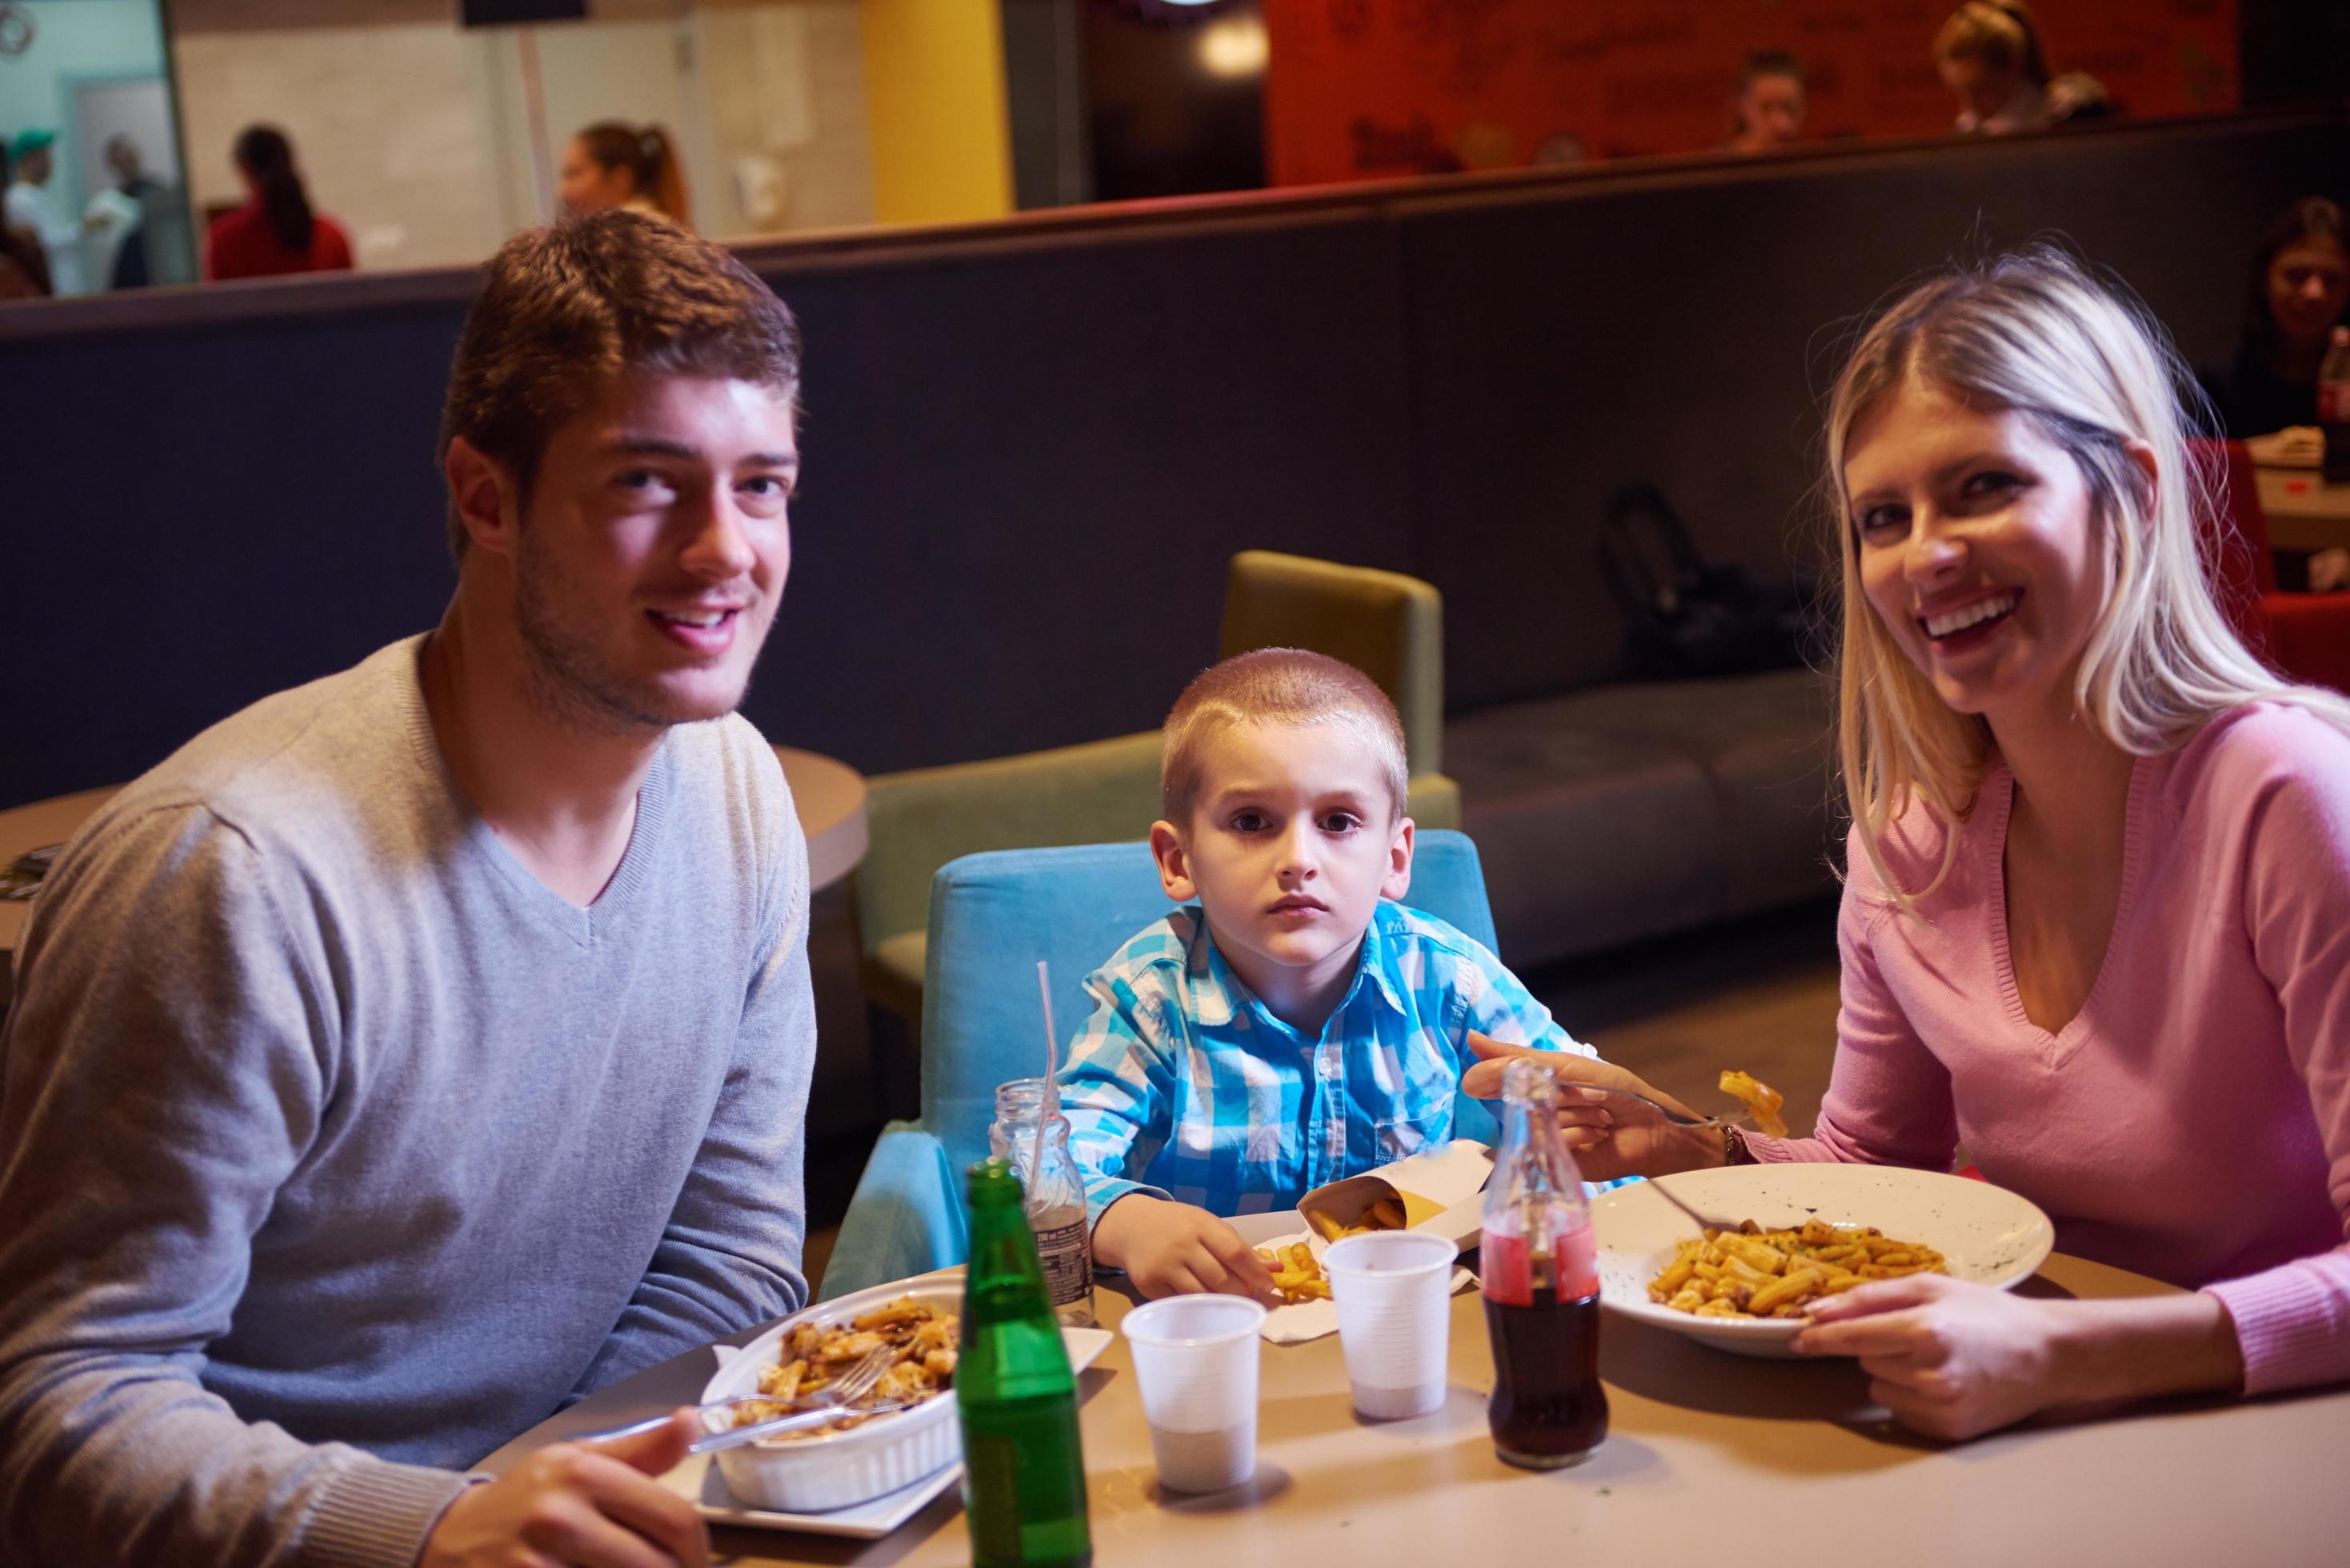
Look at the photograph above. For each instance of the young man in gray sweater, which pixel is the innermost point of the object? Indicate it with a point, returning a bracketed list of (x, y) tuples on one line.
[(427, 1046)]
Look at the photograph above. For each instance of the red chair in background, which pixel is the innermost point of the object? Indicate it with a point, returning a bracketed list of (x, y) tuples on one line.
[(2305, 636)]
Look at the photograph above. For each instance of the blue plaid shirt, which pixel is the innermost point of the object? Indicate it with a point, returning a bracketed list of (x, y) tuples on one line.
[(1184, 1084)]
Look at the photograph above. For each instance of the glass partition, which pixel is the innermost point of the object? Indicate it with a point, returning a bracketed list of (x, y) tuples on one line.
[(96, 190), (417, 142)]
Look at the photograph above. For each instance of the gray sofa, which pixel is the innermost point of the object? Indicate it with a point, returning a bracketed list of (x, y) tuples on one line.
[(1625, 811)]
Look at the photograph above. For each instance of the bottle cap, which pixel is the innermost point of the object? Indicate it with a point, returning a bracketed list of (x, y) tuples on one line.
[(992, 1179)]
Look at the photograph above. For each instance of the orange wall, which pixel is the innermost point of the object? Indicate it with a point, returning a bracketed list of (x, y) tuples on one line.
[(1358, 88)]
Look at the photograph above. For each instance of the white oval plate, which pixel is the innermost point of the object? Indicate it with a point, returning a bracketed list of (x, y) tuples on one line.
[(1984, 1233)]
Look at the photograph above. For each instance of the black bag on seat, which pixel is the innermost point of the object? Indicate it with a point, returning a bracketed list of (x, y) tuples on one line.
[(1687, 616)]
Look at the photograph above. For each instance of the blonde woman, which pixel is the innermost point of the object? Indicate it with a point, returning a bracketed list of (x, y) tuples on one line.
[(2097, 918)]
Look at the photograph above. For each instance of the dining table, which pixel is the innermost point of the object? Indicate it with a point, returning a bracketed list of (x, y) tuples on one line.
[(2304, 512), (1712, 1460)]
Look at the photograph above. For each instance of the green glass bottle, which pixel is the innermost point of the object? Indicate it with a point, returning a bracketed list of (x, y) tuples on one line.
[(1023, 1466)]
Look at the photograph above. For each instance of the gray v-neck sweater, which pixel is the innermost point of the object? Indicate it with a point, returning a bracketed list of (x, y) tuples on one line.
[(333, 1146)]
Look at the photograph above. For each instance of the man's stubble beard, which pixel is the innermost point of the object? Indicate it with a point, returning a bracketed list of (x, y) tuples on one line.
[(568, 676)]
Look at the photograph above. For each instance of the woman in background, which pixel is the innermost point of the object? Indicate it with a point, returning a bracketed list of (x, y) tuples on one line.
[(275, 232), (614, 165), (1990, 57), (2299, 291), (1769, 108)]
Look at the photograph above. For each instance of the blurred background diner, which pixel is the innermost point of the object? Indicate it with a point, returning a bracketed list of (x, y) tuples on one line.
[(1771, 103), (2296, 291), (275, 230), (1488, 336), (610, 164)]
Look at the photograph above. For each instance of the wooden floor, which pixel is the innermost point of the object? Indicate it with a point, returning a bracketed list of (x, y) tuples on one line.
[(1760, 995)]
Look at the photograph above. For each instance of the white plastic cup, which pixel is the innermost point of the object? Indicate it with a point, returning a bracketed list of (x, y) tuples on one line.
[(1395, 1323), (1195, 1361)]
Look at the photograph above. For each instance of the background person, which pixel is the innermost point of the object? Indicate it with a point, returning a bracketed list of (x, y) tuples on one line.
[(1988, 53), (31, 209), (610, 164), (1770, 103), (448, 1018), (151, 243), (276, 231), (2297, 292), (24, 270), (2097, 919)]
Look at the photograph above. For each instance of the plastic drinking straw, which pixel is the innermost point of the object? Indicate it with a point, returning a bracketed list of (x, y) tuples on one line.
[(1052, 1105)]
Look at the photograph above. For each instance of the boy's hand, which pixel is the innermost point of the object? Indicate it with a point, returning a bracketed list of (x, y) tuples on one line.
[(1610, 1135), (1174, 1250)]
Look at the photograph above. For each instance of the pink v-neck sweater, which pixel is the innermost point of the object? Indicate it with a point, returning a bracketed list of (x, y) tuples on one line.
[(2192, 1122)]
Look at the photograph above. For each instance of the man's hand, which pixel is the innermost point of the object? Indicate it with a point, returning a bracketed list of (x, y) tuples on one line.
[(1175, 1249), (579, 1505), (1611, 1136)]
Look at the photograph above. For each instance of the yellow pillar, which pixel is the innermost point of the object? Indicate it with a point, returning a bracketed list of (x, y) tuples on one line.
[(934, 110)]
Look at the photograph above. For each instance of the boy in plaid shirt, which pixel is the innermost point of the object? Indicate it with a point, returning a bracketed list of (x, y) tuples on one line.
[(1292, 1025)]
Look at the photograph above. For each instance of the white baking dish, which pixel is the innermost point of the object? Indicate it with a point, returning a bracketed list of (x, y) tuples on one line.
[(840, 1470)]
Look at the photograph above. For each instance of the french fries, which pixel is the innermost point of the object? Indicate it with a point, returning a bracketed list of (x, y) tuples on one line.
[(1759, 1098), (1752, 1273), (924, 1342), (1386, 1214), (1297, 1273)]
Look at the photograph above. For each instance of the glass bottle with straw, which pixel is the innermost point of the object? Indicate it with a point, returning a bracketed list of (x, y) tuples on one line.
[(1032, 1135)]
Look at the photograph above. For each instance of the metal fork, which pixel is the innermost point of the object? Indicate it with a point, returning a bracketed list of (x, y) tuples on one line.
[(824, 1406), (1704, 1221), (1743, 1118)]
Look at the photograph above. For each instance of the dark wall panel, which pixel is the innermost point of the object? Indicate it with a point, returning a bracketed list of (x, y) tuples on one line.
[(1024, 475), (201, 517), (1029, 455), (1026, 466), (1687, 332)]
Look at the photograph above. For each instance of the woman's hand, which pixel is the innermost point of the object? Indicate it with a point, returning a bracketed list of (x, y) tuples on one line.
[(1611, 1136), (1953, 1359), (1948, 1357)]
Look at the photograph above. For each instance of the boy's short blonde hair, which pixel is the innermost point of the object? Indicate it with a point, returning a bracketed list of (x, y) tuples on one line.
[(1277, 686)]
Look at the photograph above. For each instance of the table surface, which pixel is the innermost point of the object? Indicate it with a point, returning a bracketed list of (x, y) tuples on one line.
[(30, 827), (1711, 1459), (828, 797), (2304, 512)]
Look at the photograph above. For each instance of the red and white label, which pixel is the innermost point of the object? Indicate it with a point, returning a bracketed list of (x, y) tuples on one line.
[(1507, 1264)]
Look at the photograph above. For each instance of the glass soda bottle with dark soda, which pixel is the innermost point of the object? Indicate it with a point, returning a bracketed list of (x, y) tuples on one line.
[(1541, 1286), (1023, 1465)]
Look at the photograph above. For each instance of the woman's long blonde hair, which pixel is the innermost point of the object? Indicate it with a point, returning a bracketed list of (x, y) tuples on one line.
[(2035, 333)]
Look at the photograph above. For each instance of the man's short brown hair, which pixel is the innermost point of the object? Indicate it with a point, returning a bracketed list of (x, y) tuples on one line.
[(1276, 686), (566, 309)]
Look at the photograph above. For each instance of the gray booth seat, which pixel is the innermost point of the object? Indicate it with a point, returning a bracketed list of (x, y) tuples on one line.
[(1620, 812)]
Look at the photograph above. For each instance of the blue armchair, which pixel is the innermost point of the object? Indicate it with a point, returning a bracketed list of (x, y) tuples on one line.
[(993, 916)]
